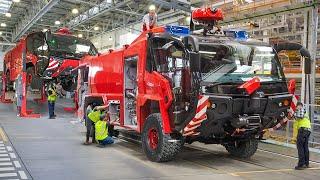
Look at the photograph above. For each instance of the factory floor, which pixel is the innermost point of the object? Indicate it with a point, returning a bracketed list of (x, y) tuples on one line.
[(52, 149)]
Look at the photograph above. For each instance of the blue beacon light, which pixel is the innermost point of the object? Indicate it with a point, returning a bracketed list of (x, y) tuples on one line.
[(178, 30)]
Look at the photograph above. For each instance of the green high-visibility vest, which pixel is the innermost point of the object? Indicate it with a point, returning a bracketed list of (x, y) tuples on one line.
[(53, 96), (94, 116), (101, 130), (305, 122)]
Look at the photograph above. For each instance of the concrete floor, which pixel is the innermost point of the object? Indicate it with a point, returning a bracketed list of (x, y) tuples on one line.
[(52, 149)]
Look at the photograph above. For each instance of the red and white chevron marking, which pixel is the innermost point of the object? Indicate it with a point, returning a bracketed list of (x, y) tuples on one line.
[(198, 118), (292, 109), (53, 64)]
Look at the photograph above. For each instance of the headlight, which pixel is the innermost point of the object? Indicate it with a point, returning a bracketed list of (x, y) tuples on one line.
[(211, 105), (286, 102)]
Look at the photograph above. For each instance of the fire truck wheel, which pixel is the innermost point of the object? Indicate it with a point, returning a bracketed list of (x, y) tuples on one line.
[(9, 86), (35, 81), (157, 146), (69, 85), (243, 149)]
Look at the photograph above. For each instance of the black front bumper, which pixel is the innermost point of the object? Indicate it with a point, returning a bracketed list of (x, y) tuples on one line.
[(228, 113)]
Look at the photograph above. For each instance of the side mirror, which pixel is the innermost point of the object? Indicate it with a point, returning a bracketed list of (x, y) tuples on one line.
[(168, 45), (194, 59), (292, 86)]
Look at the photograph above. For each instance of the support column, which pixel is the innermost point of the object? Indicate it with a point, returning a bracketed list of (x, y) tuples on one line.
[(265, 33), (312, 47)]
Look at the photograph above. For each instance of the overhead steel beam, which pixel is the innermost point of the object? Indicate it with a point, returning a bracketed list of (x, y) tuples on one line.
[(130, 12), (36, 12), (7, 43), (81, 1), (95, 11), (174, 4)]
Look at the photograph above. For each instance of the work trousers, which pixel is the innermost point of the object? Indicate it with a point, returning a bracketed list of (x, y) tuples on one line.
[(51, 108), (91, 130), (302, 146), (106, 141)]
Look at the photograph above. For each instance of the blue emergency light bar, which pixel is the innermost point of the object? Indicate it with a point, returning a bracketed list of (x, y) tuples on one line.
[(237, 34), (178, 30)]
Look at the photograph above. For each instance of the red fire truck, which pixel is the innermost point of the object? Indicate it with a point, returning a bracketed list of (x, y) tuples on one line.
[(174, 87), (48, 56)]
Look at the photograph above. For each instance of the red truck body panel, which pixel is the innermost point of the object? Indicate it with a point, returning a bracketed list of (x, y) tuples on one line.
[(106, 79)]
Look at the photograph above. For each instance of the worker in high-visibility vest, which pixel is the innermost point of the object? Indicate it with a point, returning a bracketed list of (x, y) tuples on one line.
[(303, 125), (52, 97), (89, 124), (102, 134), (94, 114)]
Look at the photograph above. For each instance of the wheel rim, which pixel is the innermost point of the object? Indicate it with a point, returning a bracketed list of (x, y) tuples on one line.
[(153, 138)]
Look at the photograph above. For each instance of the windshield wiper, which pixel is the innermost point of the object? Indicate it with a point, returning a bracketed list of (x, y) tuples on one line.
[(210, 85)]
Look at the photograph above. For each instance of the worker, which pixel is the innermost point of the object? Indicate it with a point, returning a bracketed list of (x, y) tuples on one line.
[(52, 96), (102, 134), (304, 130), (95, 113), (149, 20), (89, 124)]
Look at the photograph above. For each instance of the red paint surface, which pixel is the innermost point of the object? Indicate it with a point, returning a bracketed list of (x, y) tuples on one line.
[(205, 14), (251, 86)]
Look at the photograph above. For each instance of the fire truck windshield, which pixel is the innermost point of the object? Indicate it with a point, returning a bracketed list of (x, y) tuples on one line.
[(235, 62), (70, 47), (169, 55)]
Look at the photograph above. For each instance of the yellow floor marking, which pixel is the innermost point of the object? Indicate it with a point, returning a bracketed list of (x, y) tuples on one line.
[(3, 135), (269, 170)]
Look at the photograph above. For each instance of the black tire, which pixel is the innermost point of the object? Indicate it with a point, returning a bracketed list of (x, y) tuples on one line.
[(243, 149), (36, 81), (9, 84), (167, 147), (69, 85)]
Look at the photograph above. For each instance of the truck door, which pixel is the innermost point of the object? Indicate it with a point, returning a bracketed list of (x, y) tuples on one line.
[(132, 74)]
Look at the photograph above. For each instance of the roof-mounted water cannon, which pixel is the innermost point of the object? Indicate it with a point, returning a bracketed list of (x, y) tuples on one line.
[(208, 17), (64, 31)]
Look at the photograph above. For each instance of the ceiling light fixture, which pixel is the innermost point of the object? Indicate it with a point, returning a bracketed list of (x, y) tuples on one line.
[(75, 11), (44, 30), (8, 14), (16, 1), (80, 35), (0, 33), (3, 24), (57, 22), (96, 28)]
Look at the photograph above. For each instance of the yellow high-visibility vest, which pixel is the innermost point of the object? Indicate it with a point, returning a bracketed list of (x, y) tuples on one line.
[(94, 116), (53, 96), (305, 122), (101, 130)]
